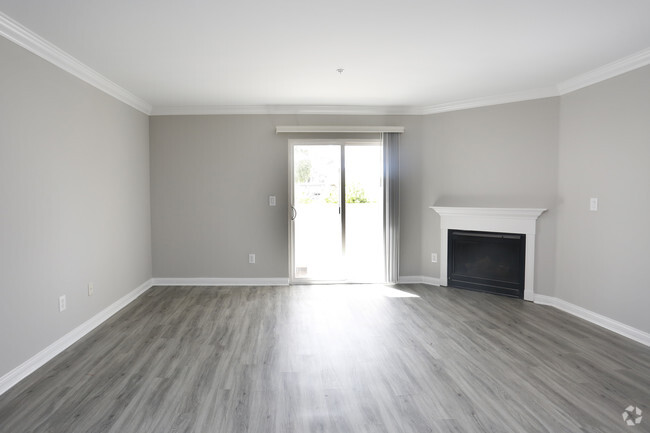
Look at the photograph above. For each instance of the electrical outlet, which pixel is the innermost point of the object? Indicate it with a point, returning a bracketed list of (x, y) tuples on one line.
[(62, 303), (593, 204), (251, 258), (91, 289), (434, 258)]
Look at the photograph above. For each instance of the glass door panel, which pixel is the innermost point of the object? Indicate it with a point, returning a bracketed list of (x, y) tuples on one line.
[(364, 223), (316, 213)]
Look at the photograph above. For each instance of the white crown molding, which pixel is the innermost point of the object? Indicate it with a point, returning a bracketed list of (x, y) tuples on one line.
[(29, 40), (595, 318), (350, 110), (527, 95), (220, 281), (360, 110), (605, 72), (35, 362), (339, 129)]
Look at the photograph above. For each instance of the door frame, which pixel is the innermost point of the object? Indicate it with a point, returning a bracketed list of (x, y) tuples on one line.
[(341, 142)]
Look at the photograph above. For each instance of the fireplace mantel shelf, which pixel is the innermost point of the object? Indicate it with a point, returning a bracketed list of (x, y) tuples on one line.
[(506, 220), (495, 212)]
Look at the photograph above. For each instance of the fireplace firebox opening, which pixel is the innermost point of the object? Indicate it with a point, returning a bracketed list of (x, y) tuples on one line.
[(487, 262)]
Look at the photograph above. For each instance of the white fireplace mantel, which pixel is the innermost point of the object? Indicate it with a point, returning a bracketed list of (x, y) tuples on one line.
[(504, 220)]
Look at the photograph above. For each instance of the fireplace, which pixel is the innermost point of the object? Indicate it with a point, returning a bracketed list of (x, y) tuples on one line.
[(487, 262), (491, 220)]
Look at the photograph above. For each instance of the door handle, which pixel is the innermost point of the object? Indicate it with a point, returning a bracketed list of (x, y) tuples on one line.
[(294, 213)]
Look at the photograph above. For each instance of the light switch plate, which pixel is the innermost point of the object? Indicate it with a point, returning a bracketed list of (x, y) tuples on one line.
[(593, 204), (271, 200)]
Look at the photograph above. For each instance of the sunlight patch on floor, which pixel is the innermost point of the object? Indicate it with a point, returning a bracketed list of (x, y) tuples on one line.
[(391, 292), (336, 291)]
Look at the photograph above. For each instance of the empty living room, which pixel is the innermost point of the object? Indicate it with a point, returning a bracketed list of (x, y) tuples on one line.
[(330, 216)]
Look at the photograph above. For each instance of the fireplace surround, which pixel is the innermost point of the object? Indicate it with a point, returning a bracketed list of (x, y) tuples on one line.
[(499, 220)]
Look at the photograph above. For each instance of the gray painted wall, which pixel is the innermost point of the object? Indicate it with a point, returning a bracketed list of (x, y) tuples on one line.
[(212, 175), (74, 197), (210, 181), (498, 156), (603, 256)]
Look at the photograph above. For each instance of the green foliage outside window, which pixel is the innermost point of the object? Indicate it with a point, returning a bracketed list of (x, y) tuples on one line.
[(303, 170), (353, 194)]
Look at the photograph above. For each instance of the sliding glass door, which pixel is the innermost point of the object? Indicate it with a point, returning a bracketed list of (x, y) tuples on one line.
[(336, 219)]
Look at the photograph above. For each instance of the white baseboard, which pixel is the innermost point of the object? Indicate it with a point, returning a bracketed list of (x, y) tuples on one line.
[(598, 319), (32, 364), (419, 279), (220, 281)]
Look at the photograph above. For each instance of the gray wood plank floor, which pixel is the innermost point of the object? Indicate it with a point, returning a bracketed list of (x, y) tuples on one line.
[(340, 358)]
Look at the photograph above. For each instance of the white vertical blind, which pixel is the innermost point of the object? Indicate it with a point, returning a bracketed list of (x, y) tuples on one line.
[(390, 143)]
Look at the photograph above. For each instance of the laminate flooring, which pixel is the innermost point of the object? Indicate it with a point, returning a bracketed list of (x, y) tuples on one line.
[(337, 358)]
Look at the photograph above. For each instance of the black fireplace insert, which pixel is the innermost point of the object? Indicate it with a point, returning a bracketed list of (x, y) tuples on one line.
[(487, 262)]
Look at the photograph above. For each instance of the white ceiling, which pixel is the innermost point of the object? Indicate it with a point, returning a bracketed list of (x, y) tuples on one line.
[(408, 53)]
